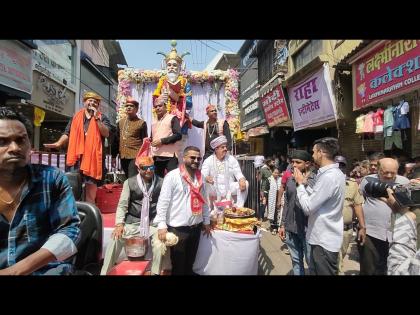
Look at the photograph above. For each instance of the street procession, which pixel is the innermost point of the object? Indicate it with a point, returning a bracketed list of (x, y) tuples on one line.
[(210, 157)]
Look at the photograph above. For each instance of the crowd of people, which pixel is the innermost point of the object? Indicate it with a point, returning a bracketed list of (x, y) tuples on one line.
[(160, 200), (312, 200), (322, 205)]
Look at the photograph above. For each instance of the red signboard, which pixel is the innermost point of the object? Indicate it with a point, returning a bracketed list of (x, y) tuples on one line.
[(274, 105), (391, 69)]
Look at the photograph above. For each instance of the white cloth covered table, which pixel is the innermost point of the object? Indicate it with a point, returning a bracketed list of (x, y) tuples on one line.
[(228, 253)]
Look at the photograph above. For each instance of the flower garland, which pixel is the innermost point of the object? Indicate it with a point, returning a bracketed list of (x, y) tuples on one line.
[(229, 77)]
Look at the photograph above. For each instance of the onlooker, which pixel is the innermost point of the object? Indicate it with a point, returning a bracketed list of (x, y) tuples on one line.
[(404, 254), (324, 207), (352, 207), (275, 183), (265, 171), (39, 223), (373, 254), (373, 161), (415, 179), (293, 220), (283, 164)]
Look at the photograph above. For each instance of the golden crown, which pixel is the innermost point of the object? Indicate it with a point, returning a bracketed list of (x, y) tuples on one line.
[(173, 55)]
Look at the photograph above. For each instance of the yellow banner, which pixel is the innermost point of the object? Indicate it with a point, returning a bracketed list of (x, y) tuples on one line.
[(39, 116)]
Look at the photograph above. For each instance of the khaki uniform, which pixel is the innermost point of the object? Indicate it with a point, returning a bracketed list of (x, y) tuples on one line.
[(352, 198)]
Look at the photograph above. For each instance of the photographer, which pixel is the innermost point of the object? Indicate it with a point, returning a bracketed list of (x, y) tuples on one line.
[(374, 252), (404, 256)]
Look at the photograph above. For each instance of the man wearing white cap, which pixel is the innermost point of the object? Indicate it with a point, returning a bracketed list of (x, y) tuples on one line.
[(223, 174)]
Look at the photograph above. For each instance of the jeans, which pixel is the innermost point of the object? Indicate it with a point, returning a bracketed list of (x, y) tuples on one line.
[(298, 247)]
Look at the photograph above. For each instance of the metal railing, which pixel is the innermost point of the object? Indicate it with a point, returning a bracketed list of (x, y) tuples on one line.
[(250, 173), (59, 160)]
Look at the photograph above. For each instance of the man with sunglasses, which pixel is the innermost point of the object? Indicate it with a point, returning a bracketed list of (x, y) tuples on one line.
[(131, 130), (166, 136), (223, 173), (182, 210), (135, 213), (213, 128)]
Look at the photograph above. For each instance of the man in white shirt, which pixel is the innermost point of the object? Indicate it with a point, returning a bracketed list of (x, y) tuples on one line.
[(223, 174), (323, 204), (182, 210)]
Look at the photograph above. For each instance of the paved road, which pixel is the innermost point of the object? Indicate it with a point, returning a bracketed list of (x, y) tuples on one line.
[(274, 261)]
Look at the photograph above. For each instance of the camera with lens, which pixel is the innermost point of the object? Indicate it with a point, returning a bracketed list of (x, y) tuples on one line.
[(407, 195)]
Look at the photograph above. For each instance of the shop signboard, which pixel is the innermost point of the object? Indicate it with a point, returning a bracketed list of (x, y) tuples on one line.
[(391, 69), (50, 95), (53, 58), (274, 105), (15, 66), (311, 100)]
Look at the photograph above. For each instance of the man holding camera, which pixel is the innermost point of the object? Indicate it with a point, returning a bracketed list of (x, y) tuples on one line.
[(374, 252)]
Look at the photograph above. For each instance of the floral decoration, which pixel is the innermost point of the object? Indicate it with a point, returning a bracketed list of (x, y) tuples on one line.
[(229, 78)]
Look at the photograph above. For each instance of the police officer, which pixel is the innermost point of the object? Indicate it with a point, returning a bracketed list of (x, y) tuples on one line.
[(352, 202)]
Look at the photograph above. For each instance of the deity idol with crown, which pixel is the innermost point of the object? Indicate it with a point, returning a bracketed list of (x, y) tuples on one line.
[(174, 90)]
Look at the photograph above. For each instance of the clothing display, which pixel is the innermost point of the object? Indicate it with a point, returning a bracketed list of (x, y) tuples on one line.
[(360, 123), (378, 121), (400, 113), (388, 121), (392, 122), (368, 123)]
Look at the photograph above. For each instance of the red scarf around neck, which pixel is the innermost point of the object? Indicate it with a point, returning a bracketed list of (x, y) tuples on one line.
[(197, 199)]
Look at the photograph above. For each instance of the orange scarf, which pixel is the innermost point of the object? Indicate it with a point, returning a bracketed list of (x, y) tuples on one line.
[(91, 154)]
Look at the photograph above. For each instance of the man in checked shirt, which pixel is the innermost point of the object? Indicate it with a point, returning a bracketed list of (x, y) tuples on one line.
[(39, 223)]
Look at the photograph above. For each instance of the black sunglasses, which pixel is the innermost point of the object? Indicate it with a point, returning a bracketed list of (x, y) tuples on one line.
[(145, 168)]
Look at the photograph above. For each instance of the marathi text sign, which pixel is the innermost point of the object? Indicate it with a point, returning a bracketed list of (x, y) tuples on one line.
[(274, 105), (312, 102), (390, 69), (15, 66), (50, 95)]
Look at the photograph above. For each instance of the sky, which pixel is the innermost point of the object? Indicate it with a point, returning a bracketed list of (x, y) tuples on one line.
[(141, 54)]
